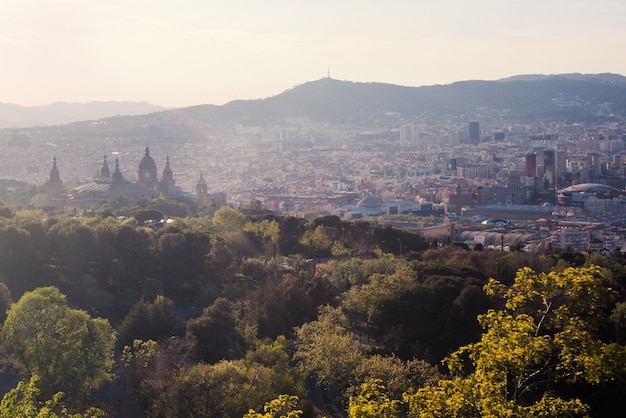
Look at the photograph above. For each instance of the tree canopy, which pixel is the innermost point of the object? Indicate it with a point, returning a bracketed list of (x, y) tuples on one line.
[(67, 349), (542, 339), (23, 401)]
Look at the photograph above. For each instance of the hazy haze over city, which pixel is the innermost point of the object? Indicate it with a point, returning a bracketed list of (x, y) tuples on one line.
[(193, 52)]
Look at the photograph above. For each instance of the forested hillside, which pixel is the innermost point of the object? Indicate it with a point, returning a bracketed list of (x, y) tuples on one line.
[(228, 314)]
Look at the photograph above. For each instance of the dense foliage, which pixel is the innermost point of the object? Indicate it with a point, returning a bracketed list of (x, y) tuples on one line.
[(246, 311), (66, 349)]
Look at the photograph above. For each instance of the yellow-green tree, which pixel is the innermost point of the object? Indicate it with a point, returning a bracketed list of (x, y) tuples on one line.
[(328, 350), (228, 220), (317, 241), (372, 402), (67, 349), (268, 231), (23, 401), (282, 407), (544, 337)]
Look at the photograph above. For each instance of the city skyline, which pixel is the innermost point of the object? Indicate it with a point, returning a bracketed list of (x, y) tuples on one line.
[(194, 52)]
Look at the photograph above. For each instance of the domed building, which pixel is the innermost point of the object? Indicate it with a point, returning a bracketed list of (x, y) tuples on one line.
[(147, 172), (578, 194), (107, 186), (369, 202)]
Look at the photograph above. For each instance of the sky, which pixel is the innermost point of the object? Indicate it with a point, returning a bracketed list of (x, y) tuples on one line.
[(189, 52)]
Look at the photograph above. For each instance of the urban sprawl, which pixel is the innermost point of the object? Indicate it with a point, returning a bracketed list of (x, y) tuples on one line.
[(528, 187)]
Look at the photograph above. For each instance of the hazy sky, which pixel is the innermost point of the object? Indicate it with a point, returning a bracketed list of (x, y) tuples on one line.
[(188, 52)]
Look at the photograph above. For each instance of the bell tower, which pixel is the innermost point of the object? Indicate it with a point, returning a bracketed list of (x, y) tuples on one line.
[(201, 186), (54, 185)]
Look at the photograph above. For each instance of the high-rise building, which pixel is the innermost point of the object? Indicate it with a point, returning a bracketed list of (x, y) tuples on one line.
[(409, 134), (561, 162), (540, 155), (549, 166), (531, 165), (474, 133)]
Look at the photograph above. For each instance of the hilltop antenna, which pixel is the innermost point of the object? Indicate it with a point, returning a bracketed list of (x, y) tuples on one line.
[(328, 73)]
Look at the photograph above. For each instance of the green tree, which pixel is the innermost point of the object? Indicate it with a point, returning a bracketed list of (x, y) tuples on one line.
[(217, 332), (316, 241), (290, 232), (71, 243), (181, 262), (23, 401), (276, 307), (328, 350), (147, 215), (152, 368), (404, 311), (268, 232), (137, 362), (150, 321), (396, 375), (542, 341), (224, 389), (5, 301), (40, 200), (66, 348), (228, 220), (276, 356), (169, 385), (6, 212), (84, 292), (19, 258)]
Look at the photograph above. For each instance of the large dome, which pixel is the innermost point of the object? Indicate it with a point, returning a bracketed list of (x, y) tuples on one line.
[(565, 196), (589, 188), (147, 163)]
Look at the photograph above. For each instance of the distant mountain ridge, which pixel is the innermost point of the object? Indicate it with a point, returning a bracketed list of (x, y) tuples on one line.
[(607, 78), (60, 113), (566, 97), (519, 99)]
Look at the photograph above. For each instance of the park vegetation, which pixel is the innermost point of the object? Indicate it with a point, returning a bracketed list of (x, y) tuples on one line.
[(246, 313)]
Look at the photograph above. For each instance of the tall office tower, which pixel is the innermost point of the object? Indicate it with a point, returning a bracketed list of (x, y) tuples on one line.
[(531, 165), (561, 162), (408, 134), (549, 166), (540, 155), (474, 133)]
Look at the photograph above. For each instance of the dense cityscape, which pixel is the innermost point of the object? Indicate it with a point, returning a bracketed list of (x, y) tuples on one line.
[(466, 174), (349, 209), (374, 264)]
